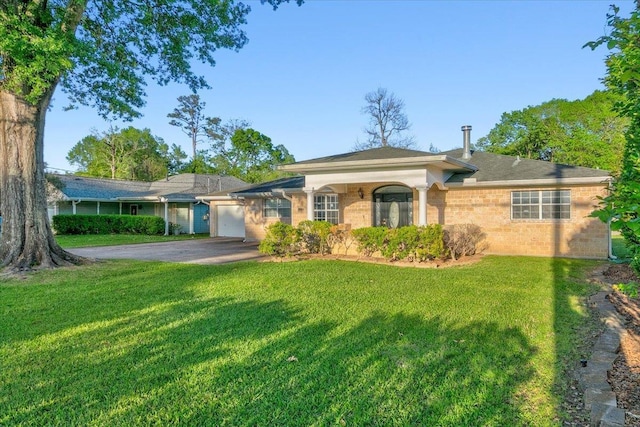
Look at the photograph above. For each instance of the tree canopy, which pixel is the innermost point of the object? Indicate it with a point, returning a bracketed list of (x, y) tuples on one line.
[(586, 132), (124, 154), (102, 53), (250, 156)]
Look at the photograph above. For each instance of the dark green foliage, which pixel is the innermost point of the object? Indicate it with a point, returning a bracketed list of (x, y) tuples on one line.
[(108, 224), (121, 154), (585, 132), (313, 236), (622, 207), (279, 241), (246, 153), (411, 243)]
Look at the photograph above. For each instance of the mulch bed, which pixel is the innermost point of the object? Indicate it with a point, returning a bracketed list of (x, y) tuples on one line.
[(625, 375)]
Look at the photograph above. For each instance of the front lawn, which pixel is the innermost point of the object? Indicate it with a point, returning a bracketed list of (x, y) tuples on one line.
[(298, 343), (86, 240)]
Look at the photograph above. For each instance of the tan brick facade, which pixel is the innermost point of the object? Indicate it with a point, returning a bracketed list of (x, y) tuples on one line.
[(490, 208)]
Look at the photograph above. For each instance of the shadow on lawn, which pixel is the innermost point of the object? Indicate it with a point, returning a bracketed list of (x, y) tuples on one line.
[(184, 359)]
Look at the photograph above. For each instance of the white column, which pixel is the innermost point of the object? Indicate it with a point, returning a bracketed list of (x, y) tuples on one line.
[(166, 216), (310, 202), (98, 208), (422, 205)]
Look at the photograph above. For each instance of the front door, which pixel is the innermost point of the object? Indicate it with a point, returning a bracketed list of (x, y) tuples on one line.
[(393, 206)]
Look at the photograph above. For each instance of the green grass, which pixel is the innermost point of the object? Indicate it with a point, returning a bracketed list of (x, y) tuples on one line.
[(619, 247), (299, 343), (86, 240)]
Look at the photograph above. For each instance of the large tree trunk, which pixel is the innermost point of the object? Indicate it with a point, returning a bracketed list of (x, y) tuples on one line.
[(26, 241)]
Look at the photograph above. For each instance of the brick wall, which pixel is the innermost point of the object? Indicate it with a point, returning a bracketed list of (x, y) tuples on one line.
[(490, 208)]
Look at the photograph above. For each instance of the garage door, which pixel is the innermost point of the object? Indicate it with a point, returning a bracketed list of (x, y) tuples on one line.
[(230, 221)]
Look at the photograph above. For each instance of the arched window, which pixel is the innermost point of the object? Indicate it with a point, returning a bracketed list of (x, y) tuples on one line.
[(393, 206)]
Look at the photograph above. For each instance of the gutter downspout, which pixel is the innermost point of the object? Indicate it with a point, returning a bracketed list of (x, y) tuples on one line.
[(610, 242), (282, 193), (73, 205)]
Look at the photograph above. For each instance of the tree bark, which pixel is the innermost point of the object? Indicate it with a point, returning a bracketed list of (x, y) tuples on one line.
[(26, 240)]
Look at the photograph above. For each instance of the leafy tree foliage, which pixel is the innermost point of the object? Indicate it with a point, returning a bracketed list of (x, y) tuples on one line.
[(250, 156), (387, 121), (176, 159), (102, 53), (124, 154), (585, 132), (622, 206)]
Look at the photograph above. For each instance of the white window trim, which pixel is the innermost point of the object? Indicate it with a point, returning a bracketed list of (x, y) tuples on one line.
[(325, 209), (540, 204)]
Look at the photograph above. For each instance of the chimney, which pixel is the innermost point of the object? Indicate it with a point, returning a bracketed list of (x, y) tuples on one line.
[(466, 142)]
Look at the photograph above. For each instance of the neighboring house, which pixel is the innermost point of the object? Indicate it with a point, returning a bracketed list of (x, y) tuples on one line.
[(173, 198), (525, 207)]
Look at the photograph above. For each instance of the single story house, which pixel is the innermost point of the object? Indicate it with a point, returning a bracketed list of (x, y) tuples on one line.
[(525, 207), (173, 198)]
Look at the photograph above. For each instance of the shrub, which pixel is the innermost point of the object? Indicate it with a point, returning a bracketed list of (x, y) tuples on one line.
[(463, 240), (313, 236), (411, 243), (629, 289), (400, 243), (430, 243), (369, 239), (339, 236), (280, 240), (108, 224)]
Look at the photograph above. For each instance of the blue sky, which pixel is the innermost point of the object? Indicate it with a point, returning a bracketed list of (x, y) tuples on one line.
[(303, 75)]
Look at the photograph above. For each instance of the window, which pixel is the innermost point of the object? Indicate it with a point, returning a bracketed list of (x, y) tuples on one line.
[(277, 208), (325, 208), (543, 204)]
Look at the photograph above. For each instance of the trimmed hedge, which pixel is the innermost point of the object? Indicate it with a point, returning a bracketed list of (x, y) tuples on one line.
[(108, 224), (411, 243)]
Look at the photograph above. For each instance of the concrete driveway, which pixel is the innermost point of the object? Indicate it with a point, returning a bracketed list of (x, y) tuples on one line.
[(197, 251)]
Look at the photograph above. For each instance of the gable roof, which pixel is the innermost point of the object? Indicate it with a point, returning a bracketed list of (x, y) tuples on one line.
[(378, 158), (183, 187), (482, 168), (380, 153), (500, 168)]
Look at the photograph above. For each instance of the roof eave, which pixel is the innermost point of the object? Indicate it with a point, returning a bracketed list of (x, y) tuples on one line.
[(377, 163), (468, 183)]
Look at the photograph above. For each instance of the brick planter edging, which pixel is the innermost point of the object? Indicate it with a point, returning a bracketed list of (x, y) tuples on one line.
[(599, 398)]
